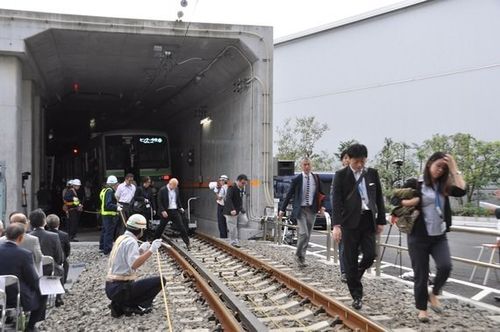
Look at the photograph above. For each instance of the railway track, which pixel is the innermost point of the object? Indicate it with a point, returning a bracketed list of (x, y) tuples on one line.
[(260, 296)]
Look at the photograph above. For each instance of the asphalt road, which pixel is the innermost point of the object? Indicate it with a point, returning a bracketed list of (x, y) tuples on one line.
[(462, 245)]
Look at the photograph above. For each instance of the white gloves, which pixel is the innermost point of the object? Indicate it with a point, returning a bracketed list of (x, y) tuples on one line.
[(144, 247), (119, 208), (146, 200), (155, 246)]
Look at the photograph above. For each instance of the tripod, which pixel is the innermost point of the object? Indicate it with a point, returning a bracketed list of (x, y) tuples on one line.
[(397, 184)]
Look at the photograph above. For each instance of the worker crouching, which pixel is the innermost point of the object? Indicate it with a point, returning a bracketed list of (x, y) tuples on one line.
[(128, 295)]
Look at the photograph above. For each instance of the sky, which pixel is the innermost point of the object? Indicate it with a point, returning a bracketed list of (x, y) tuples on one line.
[(286, 16)]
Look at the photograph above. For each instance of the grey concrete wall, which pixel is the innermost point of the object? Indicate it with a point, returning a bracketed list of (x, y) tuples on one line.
[(427, 69), (11, 87), (26, 137)]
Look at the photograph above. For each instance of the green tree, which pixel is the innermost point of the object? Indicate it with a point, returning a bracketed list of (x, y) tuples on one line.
[(395, 163), (297, 140), (478, 160), (343, 146)]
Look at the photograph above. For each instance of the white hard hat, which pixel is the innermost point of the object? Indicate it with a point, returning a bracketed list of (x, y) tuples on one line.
[(76, 182), (137, 221), (69, 183), (112, 180), (223, 177)]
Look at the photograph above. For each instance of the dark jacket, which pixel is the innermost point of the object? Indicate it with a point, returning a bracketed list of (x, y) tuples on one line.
[(19, 262), (64, 239), (347, 213), (50, 244), (295, 191), (142, 193), (419, 228), (233, 200), (163, 201)]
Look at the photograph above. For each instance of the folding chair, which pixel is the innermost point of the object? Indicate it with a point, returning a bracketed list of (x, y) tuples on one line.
[(48, 260), (8, 280)]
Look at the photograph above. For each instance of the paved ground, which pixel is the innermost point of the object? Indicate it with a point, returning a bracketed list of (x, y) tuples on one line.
[(461, 245)]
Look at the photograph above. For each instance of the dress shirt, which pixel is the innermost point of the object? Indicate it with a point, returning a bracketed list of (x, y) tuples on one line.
[(361, 189), (125, 193), (312, 189), (172, 199)]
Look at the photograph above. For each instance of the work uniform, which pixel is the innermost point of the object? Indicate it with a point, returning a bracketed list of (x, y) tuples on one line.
[(72, 203), (221, 220), (122, 288), (109, 219)]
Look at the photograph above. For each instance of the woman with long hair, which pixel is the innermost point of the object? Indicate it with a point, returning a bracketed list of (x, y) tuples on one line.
[(441, 179)]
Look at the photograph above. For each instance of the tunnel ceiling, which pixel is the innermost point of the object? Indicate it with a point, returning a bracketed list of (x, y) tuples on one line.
[(129, 67), (126, 78)]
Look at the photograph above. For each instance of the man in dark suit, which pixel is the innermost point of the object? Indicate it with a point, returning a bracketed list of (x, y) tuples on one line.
[(307, 202), (358, 214), (19, 262), (169, 207), (53, 223), (49, 242)]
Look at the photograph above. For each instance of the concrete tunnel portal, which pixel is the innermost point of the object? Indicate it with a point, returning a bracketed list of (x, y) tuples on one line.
[(89, 75)]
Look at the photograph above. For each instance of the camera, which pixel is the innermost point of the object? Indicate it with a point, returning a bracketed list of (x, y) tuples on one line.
[(398, 162)]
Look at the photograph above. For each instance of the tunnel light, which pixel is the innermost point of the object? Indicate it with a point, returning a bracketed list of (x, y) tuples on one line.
[(92, 123), (205, 121)]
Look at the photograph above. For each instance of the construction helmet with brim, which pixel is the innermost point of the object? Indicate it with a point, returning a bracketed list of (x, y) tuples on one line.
[(137, 221), (76, 182), (223, 177), (112, 180)]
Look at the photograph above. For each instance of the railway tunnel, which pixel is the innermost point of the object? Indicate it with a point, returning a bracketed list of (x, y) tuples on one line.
[(65, 80)]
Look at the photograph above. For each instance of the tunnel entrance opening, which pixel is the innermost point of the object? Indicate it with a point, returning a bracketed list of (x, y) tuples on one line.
[(118, 103)]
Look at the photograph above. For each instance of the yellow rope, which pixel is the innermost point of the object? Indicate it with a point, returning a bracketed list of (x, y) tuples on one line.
[(163, 291)]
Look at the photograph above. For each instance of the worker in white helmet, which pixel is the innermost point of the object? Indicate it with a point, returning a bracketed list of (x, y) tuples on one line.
[(109, 214), (74, 208), (127, 294), (220, 195)]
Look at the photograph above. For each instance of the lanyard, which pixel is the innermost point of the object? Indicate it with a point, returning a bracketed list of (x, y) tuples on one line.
[(437, 200)]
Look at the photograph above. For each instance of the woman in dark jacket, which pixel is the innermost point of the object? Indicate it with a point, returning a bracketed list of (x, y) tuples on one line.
[(428, 238)]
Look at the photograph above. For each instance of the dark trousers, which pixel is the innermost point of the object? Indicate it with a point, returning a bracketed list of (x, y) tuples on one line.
[(133, 293), (108, 231), (420, 249), (221, 221), (176, 218), (362, 237), (36, 305), (73, 220)]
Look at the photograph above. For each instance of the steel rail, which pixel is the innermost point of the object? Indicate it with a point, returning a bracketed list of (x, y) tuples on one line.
[(334, 308), (223, 314), (249, 321)]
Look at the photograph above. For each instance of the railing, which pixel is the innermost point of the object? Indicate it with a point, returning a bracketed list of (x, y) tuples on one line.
[(278, 238), (461, 229)]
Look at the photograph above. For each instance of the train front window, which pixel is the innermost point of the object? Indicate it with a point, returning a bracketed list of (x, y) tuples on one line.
[(153, 152), (117, 152)]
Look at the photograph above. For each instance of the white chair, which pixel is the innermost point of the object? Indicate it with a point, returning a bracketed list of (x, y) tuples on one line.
[(48, 260), (7, 280)]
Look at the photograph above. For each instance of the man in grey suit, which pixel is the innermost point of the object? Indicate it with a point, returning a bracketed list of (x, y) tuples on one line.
[(49, 242), (29, 242)]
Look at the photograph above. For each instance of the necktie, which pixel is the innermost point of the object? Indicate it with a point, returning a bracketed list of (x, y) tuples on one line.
[(308, 189)]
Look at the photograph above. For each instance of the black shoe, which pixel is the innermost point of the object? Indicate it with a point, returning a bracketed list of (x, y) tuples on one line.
[(59, 302), (137, 310), (116, 311), (357, 304), (343, 277), (497, 298)]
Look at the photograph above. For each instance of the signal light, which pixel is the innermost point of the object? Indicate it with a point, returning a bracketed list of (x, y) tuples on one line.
[(76, 87), (165, 177), (75, 151)]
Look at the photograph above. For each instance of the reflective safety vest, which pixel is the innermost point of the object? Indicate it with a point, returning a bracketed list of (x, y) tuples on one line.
[(102, 196)]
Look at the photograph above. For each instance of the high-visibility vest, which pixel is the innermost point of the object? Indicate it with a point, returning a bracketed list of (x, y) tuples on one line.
[(102, 196)]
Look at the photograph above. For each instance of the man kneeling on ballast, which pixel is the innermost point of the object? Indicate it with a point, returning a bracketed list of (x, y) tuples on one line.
[(128, 295)]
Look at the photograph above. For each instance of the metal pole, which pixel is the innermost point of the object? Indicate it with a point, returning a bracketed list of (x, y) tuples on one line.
[(328, 235)]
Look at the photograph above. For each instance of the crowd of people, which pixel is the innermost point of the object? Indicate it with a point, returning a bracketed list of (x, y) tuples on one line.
[(127, 209)]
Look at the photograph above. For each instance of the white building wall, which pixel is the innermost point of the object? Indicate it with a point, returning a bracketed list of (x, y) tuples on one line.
[(426, 69)]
